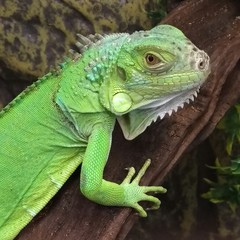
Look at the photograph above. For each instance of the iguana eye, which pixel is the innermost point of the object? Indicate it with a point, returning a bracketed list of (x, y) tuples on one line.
[(151, 59)]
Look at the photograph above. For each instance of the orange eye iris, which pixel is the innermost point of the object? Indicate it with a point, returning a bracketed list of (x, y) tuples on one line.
[(152, 59)]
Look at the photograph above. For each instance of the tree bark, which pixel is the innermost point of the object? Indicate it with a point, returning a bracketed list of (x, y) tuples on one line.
[(213, 26)]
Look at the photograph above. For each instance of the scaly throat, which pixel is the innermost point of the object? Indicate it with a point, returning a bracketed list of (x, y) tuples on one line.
[(136, 121)]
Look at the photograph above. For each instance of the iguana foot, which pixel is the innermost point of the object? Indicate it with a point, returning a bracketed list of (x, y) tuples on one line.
[(135, 193)]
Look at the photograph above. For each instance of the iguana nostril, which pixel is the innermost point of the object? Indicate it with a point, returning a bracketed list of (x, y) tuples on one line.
[(203, 61), (202, 64)]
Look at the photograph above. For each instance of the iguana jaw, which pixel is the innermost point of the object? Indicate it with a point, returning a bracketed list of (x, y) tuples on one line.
[(136, 121)]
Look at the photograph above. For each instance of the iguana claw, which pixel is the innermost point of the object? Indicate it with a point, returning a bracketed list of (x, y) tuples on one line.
[(135, 193)]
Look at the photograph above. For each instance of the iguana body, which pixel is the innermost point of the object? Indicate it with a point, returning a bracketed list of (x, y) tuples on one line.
[(67, 118)]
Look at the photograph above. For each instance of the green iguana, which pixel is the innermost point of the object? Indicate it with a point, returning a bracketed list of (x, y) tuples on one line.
[(67, 118)]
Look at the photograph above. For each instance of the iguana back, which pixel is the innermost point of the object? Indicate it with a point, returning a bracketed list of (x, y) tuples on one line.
[(39, 151)]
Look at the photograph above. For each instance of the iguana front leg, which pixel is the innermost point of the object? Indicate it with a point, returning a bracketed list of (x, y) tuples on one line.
[(94, 187)]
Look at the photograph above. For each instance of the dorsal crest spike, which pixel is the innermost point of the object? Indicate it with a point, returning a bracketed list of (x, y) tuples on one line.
[(84, 43), (84, 40), (74, 54), (81, 47), (96, 37)]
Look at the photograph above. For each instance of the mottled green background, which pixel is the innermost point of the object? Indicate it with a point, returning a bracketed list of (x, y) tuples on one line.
[(34, 35)]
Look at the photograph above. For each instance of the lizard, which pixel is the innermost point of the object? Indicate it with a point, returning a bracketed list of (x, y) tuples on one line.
[(66, 118)]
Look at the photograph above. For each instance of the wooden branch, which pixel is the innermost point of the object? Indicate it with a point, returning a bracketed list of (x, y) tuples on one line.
[(212, 26)]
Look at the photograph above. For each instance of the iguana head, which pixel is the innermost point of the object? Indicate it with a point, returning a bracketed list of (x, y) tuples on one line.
[(156, 72)]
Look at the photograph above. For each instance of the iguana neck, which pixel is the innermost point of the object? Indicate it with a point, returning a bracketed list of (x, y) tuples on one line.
[(82, 78)]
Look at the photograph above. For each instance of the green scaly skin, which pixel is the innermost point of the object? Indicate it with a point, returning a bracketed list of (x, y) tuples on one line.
[(67, 118)]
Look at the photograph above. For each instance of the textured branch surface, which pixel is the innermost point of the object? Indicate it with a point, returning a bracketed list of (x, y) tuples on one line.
[(212, 26)]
